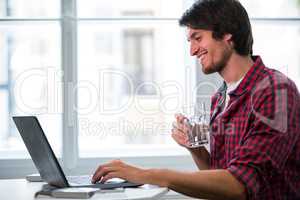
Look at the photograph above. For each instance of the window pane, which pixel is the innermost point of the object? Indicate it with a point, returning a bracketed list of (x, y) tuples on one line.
[(30, 59), (272, 8), (279, 49), (130, 8), (168, 8), (131, 82), (4, 116), (29, 8)]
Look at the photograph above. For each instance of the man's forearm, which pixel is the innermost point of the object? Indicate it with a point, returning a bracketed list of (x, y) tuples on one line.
[(201, 157), (207, 184)]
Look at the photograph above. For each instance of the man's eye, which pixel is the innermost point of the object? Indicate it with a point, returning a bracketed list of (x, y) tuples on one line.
[(198, 38)]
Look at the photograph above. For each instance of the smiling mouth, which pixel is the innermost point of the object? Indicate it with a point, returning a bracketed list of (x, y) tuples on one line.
[(201, 55)]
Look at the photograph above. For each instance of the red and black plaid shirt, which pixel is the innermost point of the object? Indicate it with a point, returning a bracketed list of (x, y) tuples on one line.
[(257, 137)]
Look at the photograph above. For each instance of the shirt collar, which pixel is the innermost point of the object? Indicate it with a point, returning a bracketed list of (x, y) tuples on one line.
[(248, 83), (232, 86), (249, 79)]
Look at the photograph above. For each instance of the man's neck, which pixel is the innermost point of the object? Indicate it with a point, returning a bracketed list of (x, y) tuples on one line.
[(236, 68)]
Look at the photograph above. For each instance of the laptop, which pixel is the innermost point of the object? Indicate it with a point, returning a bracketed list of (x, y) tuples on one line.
[(47, 163)]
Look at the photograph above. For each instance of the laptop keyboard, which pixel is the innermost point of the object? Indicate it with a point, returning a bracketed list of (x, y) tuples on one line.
[(84, 180), (87, 180)]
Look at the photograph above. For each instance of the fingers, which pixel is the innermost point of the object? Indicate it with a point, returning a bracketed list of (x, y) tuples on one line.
[(106, 169), (181, 124), (177, 127), (109, 176), (179, 118), (103, 171), (181, 130), (178, 132), (180, 138)]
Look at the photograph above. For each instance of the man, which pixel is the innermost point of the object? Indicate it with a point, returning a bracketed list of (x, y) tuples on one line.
[(255, 118)]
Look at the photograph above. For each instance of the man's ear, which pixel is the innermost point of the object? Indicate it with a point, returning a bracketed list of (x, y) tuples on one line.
[(227, 37)]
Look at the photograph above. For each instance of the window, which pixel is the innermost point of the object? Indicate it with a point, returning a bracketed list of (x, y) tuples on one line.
[(77, 71), (132, 72), (269, 9), (138, 51), (29, 62), (29, 9), (106, 77), (131, 8)]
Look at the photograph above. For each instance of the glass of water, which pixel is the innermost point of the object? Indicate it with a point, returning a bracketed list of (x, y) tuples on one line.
[(197, 120)]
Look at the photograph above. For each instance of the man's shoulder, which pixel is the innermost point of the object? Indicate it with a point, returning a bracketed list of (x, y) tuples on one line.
[(274, 79), (272, 89)]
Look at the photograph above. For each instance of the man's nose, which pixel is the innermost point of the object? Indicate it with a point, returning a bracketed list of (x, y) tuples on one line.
[(193, 49)]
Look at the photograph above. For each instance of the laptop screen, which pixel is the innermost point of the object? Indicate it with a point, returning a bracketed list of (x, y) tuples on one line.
[(40, 150)]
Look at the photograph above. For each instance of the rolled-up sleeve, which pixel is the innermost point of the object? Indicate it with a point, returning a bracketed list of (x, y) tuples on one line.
[(248, 177), (251, 166), (257, 160)]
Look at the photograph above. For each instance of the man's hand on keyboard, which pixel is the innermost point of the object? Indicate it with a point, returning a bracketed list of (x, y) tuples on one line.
[(118, 169)]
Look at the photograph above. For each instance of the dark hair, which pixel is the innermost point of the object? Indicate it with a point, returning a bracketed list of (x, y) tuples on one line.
[(221, 17)]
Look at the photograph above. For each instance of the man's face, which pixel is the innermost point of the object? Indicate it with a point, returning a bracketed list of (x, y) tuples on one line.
[(212, 54)]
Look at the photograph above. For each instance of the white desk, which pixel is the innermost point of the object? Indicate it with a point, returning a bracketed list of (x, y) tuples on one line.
[(20, 189)]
